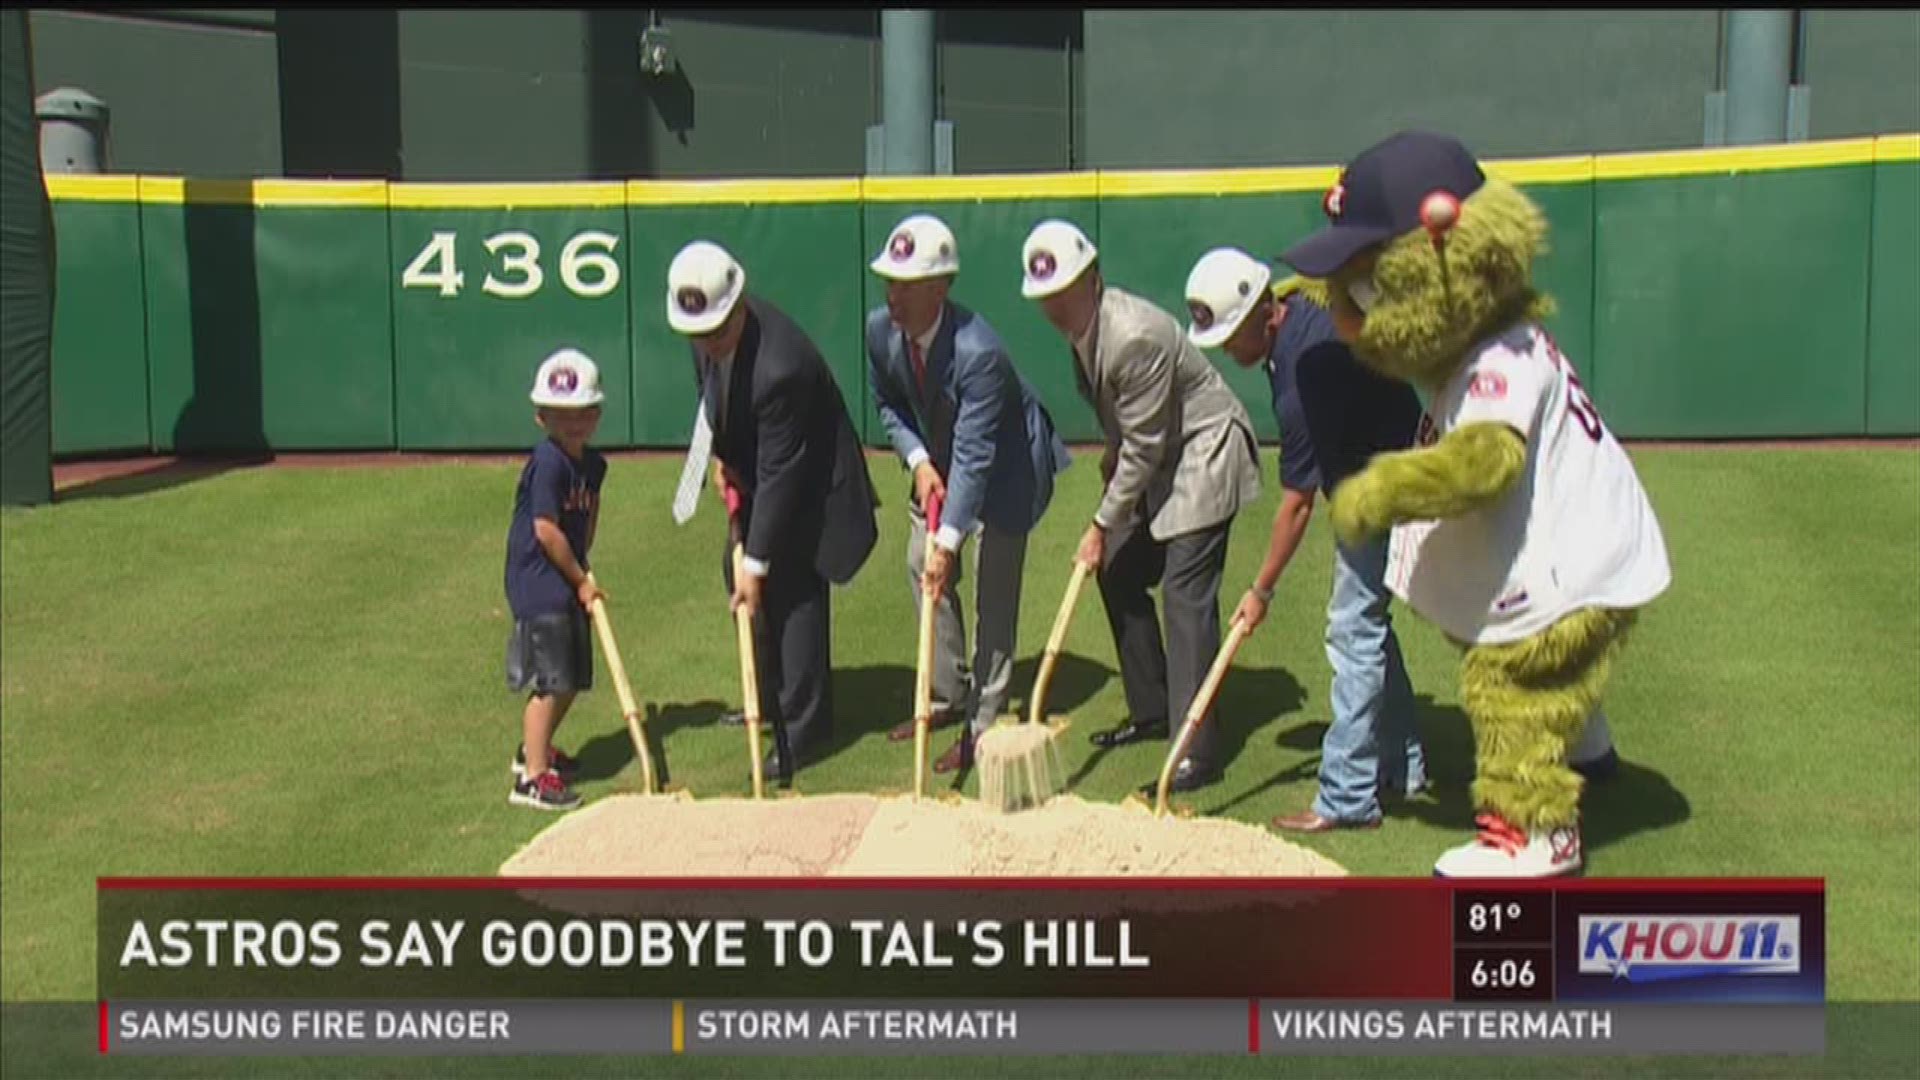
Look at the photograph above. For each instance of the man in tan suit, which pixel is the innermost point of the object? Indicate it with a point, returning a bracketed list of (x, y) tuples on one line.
[(1180, 461)]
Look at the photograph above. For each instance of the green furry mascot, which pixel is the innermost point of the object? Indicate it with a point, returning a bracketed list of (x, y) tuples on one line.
[(1519, 525)]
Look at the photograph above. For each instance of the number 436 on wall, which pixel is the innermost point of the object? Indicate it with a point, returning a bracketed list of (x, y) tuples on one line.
[(587, 268)]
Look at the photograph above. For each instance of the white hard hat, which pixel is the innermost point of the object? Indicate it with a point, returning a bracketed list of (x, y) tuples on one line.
[(567, 380), (1224, 286), (918, 248), (703, 284), (1055, 255)]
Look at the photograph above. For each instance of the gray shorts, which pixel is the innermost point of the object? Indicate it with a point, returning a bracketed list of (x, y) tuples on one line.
[(551, 654)]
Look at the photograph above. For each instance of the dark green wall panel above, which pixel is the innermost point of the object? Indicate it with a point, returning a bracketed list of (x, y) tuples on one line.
[(1893, 311), (483, 293), (1733, 306), (267, 325), (99, 328)]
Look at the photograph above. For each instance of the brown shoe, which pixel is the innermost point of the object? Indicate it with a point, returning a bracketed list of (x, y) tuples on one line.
[(958, 756), (1306, 821), (904, 729)]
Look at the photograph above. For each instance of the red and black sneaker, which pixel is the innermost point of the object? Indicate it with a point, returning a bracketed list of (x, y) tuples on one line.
[(544, 792)]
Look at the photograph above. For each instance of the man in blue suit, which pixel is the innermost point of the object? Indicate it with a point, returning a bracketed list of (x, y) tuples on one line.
[(976, 435)]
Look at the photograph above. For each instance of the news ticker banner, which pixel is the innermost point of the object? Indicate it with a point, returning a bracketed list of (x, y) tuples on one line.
[(950, 1027), (1053, 965)]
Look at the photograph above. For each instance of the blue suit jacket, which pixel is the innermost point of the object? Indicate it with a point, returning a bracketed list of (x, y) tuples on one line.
[(984, 427)]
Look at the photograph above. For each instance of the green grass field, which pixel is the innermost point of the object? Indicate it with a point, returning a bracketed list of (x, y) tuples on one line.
[(298, 671)]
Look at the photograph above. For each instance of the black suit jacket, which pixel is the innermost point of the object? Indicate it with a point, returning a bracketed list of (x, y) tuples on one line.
[(788, 439)]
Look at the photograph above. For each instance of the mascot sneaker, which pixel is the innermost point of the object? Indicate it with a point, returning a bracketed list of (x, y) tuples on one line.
[(1503, 851)]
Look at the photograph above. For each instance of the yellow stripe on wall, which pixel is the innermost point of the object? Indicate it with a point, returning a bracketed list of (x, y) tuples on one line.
[(319, 193), (505, 196), (1897, 148), (175, 190), (1217, 181), (92, 188), (1553, 170), (740, 192), (1733, 159), (1068, 185), (679, 1026), (1086, 184)]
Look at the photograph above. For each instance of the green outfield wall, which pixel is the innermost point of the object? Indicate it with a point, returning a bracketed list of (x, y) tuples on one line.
[(1730, 293)]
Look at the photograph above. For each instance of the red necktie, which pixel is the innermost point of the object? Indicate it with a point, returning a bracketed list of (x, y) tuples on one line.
[(919, 357)]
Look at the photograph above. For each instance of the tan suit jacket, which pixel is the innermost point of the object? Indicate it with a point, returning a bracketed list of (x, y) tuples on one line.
[(1182, 445)]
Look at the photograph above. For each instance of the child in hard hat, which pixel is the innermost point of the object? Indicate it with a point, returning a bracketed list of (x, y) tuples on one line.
[(555, 509)]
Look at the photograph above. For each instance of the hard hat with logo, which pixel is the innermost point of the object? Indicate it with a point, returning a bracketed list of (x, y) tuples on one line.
[(703, 284), (1224, 286), (919, 247), (1055, 255), (567, 380)]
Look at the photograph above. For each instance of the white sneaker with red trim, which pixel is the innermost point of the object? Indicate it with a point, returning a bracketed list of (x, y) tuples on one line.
[(1505, 851)]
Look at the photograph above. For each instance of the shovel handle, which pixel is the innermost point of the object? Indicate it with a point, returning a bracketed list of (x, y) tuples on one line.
[(1197, 711), (743, 632), (603, 628), (749, 676), (1037, 707), (923, 665)]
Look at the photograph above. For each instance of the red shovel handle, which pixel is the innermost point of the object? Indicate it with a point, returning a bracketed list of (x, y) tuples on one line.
[(933, 513), (733, 499)]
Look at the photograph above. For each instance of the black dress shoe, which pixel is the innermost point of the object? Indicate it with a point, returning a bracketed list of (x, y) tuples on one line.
[(1132, 731), (1186, 777), (772, 775)]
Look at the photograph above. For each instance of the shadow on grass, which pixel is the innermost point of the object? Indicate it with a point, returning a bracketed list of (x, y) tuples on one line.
[(156, 476), (1249, 699), (1633, 800), (606, 755), (1446, 766)]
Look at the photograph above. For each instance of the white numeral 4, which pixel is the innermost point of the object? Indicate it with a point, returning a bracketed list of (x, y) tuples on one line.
[(438, 252)]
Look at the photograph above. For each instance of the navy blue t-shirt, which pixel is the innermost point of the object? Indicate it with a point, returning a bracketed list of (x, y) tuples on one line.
[(552, 485), (1334, 412)]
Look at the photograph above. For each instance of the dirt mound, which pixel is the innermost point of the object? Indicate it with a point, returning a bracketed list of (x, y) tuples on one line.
[(868, 836)]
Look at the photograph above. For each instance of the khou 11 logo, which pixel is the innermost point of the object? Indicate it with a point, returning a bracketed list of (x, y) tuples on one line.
[(1650, 948)]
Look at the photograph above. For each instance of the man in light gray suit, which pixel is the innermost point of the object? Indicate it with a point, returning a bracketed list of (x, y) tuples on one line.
[(976, 438), (1180, 461)]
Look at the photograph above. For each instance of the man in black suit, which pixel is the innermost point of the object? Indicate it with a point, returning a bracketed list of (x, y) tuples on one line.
[(785, 442)]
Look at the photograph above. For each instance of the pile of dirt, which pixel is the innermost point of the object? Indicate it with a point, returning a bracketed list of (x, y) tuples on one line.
[(868, 836)]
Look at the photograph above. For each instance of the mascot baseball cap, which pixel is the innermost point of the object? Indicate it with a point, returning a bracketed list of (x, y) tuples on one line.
[(567, 380), (920, 247), (1055, 255), (1378, 197), (1224, 286), (703, 284)]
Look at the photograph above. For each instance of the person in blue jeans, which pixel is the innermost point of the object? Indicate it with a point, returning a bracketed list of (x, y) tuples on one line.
[(1333, 414)]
